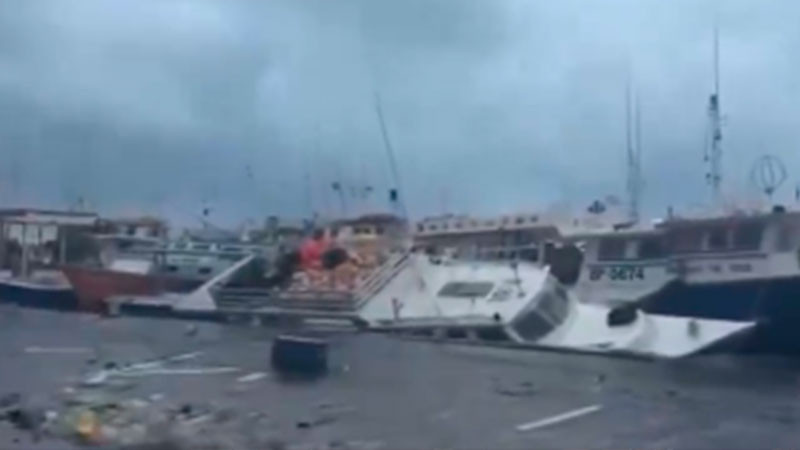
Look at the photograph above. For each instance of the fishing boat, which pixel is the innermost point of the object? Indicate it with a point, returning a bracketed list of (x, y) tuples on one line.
[(42, 289), (33, 243), (197, 304), (132, 266), (729, 267)]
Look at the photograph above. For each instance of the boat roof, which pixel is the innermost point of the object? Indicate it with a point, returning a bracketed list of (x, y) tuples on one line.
[(11, 212), (760, 217), (47, 217), (621, 230), (148, 221), (370, 219)]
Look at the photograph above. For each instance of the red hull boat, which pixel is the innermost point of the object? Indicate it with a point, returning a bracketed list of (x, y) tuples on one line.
[(93, 286)]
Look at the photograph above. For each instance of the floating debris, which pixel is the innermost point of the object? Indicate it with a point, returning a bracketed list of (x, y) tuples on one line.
[(600, 378), (330, 413), (255, 376), (156, 367), (25, 418), (88, 427), (570, 415), (523, 389), (181, 371), (301, 355), (671, 393), (10, 400), (58, 350)]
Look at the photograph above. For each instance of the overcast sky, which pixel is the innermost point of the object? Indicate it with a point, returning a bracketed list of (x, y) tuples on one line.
[(162, 106)]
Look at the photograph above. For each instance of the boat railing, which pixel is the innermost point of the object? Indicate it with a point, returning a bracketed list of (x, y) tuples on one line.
[(254, 298), (311, 300), (380, 277), (504, 252)]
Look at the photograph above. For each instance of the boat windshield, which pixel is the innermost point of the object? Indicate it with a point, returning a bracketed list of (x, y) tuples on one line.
[(550, 311), (466, 289)]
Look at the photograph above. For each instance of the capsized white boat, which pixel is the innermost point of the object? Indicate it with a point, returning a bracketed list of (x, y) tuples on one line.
[(522, 303)]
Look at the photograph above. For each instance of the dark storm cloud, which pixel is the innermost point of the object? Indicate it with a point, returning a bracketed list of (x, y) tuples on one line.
[(492, 106)]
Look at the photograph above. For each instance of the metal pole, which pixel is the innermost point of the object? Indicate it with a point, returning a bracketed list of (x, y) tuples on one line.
[(62, 244), (24, 268)]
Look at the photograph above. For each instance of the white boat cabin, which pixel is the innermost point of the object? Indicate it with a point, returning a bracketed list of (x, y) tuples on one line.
[(626, 265)]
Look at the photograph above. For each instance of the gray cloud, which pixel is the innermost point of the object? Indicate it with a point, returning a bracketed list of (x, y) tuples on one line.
[(495, 106)]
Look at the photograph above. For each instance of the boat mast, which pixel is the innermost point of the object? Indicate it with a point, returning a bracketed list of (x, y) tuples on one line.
[(714, 158), (633, 143), (397, 192)]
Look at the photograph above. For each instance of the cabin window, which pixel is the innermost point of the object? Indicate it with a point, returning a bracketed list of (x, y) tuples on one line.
[(422, 333), (688, 241), (718, 238), (466, 289), (534, 219), (529, 254), (172, 268), (520, 220), (492, 334), (202, 247), (651, 248), (180, 246), (433, 227), (553, 305), (204, 270), (379, 229), (473, 224), (748, 236), (550, 311), (532, 326), (612, 249), (420, 227), (458, 225), (525, 237), (456, 333)]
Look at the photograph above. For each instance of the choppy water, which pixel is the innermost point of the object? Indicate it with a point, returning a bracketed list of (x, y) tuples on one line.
[(421, 395)]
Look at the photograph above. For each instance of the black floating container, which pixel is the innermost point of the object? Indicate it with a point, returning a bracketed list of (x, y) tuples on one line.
[(300, 355)]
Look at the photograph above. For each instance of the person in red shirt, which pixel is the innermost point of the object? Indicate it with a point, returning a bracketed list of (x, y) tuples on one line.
[(312, 249)]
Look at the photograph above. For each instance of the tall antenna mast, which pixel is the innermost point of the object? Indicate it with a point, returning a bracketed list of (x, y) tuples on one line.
[(633, 143), (714, 175), (390, 153)]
